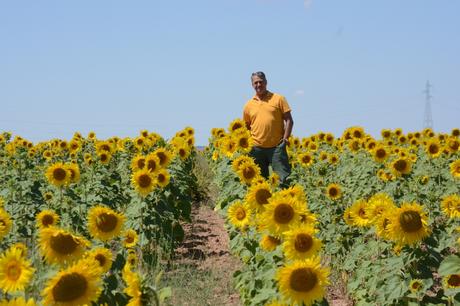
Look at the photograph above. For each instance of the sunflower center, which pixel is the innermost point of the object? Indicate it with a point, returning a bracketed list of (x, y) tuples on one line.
[(410, 221), (152, 165), (274, 240), (284, 213), (70, 287), (433, 149), (380, 153), (162, 157), (141, 163), (303, 279), (454, 280), (47, 220), (63, 243), (400, 165), (104, 157), (303, 242), (362, 213), (415, 285), (106, 222), (262, 196), (145, 181), (182, 152), (249, 173), (101, 259), (129, 239), (243, 143), (306, 159), (13, 271), (161, 178), (240, 213), (333, 192), (59, 174)]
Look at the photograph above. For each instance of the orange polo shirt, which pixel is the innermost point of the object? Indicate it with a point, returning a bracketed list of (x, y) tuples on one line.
[(265, 118)]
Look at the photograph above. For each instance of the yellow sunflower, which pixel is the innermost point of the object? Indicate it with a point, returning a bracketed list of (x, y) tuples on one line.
[(378, 204), (58, 174), (401, 166), (164, 156), (162, 178), (134, 290), (15, 271), (103, 258), (415, 285), (258, 195), (248, 172), (408, 224), (333, 159), (455, 168), (239, 214), (236, 125), (433, 148), (79, 284), (296, 192), (280, 214), (138, 162), (152, 162), (143, 181), (5, 223), (451, 205), (301, 243), (451, 281), (359, 214), (243, 141), (104, 223), (269, 243), (47, 218), (303, 281), (333, 192), (380, 153), (305, 159), (130, 238), (60, 246), (104, 157), (18, 301)]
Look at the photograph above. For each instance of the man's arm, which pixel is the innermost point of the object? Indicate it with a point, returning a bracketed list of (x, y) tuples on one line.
[(288, 124), (246, 119)]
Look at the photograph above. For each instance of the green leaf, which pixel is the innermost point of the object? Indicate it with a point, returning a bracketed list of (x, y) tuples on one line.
[(450, 265)]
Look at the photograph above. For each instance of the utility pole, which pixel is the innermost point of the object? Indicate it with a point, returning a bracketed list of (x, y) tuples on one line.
[(427, 118)]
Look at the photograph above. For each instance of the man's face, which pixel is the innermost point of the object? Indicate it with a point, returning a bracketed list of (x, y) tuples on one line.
[(259, 85)]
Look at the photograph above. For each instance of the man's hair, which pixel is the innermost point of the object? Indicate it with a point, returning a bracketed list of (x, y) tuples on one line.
[(259, 74)]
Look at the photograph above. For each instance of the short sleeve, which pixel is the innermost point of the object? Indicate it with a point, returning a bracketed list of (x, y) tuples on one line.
[(284, 106)]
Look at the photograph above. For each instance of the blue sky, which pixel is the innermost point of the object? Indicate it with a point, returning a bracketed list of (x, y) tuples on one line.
[(116, 67)]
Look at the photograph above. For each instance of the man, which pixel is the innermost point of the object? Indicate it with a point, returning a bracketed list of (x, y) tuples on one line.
[(268, 116)]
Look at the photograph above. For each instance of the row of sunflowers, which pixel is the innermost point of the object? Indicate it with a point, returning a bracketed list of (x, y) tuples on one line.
[(365, 220), (88, 221)]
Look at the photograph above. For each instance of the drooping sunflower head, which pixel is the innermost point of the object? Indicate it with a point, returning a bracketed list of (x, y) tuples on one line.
[(258, 195), (130, 238), (303, 281), (74, 171), (79, 284), (47, 218), (5, 223), (333, 191), (239, 214), (60, 246), (143, 181), (408, 224), (15, 271), (102, 257), (269, 243), (301, 243), (58, 174), (104, 223)]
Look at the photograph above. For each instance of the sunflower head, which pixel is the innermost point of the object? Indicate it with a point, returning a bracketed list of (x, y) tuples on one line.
[(162, 178), (58, 174), (248, 172), (281, 213), (130, 238), (301, 243), (408, 224), (239, 214), (104, 223), (47, 218), (5, 223), (15, 271), (143, 181), (102, 257), (401, 166), (455, 169), (269, 243), (60, 246), (333, 192)]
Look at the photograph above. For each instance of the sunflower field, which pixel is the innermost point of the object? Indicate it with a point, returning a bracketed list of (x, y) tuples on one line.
[(372, 221), (87, 221)]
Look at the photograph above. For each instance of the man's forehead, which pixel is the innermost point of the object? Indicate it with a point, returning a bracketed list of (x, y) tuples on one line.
[(256, 78)]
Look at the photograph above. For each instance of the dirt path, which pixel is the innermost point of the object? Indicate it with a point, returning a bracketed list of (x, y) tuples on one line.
[(206, 249)]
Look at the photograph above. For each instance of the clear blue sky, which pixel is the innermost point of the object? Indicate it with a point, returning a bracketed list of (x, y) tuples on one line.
[(117, 67)]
